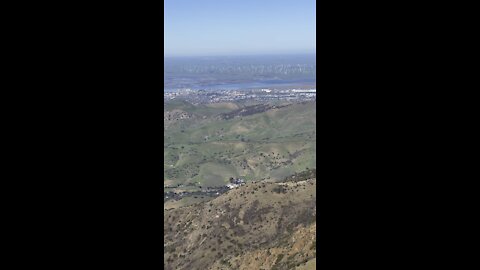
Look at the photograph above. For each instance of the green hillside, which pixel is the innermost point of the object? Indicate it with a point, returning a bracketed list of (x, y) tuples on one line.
[(202, 144)]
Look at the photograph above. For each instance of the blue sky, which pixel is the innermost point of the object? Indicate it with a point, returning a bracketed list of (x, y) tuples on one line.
[(239, 27)]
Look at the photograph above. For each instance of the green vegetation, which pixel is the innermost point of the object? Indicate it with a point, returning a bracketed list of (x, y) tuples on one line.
[(208, 144)]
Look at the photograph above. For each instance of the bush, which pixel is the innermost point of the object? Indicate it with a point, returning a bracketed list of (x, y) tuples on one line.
[(279, 189)]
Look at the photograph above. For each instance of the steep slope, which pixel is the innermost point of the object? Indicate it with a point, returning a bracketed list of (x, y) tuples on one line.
[(257, 226)]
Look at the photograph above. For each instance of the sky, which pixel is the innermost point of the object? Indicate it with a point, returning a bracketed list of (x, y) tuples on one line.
[(239, 27)]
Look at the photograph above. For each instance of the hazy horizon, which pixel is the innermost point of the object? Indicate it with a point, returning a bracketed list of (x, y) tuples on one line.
[(211, 28), (288, 54)]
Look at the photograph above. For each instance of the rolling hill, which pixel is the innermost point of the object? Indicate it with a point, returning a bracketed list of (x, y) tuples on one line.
[(209, 144)]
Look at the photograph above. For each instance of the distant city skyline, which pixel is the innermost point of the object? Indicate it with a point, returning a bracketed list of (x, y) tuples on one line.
[(239, 27)]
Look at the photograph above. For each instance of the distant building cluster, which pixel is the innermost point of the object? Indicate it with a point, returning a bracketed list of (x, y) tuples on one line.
[(208, 191), (234, 183), (216, 96)]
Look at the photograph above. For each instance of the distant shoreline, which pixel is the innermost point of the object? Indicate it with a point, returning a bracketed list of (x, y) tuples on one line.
[(219, 88), (246, 86)]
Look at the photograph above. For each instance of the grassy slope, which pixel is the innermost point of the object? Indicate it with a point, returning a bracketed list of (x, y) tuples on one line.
[(268, 145)]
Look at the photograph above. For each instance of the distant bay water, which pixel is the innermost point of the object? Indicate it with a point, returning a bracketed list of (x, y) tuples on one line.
[(237, 73)]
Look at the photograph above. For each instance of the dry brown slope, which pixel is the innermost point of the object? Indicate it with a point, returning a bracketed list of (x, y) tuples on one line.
[(258, 226)]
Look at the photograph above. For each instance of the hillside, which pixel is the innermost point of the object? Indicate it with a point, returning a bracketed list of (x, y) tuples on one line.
[(257, 226), (208, 144)]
